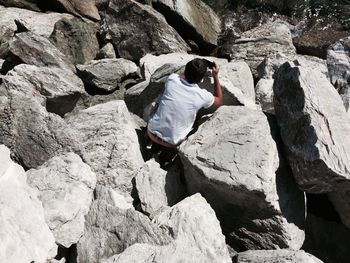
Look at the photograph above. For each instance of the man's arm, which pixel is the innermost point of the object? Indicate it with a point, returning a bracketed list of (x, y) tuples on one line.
[(217, 87)]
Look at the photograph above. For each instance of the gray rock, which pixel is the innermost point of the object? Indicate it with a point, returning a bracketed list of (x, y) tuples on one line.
[(25, 237), (107, 51), (33, 49), (109, 139), (138, 29), (65, 185), (314, 127), (254, 45), (85, 8), (276, 256), (31, 4), (111, 229), (76, 39), (200, 22), (338, 62), (196, 232), (157, 188), (264, 95), (32, 134), (60, 88), (232, 161), (107, 74)]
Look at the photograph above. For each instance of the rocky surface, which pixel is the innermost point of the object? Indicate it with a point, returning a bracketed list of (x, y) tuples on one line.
[(107, 51), (251, 201), (65, 185), (313, 124), (25, 236), (31, 4), (276, 256), (108, 136), (264, 95), (76, 39), (196, 232), (85, 8), (107, 74), (138, 29)]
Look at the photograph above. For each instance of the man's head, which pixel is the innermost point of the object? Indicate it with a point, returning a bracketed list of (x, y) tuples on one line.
[(195, 70)]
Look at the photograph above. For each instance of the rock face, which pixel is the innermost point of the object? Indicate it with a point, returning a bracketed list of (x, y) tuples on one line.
[(65, 186), (196, 232), (25, 237), (314, 127), (109, 139), (107, 51), (338, 62), (32, 134), (254, 45), (137, 29), (158, 189), (264, 95), (110, 229), (276, 256), (107, 74), (234, 168), (193, 18), (33, 49), (31, 4), (86, 8), (76, 39)]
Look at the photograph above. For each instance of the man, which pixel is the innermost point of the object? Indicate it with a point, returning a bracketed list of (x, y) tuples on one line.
[(179, 104)]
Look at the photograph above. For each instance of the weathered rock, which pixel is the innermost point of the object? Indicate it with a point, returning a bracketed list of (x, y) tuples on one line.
[(32, 134), (338, 62), (314, 127), (107, 51), (31, 4), (65, 186), (264, 95), (86, 8), (254, 45), (33, 49), (25, 237), (194, 19), (59, 88), (138, 29), (111, 144), (197, 234), (235, 169), (76, 39), (110, 229), (107, 74), (157, 188), (276, 256)]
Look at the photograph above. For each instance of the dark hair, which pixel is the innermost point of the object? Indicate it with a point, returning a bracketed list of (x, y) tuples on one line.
[(195, 70)]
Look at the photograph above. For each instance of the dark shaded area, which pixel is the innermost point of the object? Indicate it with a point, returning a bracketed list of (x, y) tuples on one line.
[(70, 254), (319, 205), (10, 62), (62, 105), (51, 5)]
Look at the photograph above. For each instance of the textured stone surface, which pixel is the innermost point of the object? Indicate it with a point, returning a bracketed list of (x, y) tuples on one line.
[(138, 29), (31, 4), (25, 237), (76, 39), (196, 232), (314, 127), (232, 161), (86, 8), (109, 139), (157, 188), (107, 74), (276, 256), (65, 185), (110, 229), (107, 51), (264, 95)]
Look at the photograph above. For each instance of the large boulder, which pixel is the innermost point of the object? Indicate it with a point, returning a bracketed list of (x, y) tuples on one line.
[(254, 45), (111, 144), (65, 185), (111, 227), (25, 237), (32, 134), (76, 39), (276, 256), (194, 20), (26, 4), (314, 127), (30, 48), (107, 74), (232, 160), (196, 232), (138, 29), (338, 62), (85, 8)]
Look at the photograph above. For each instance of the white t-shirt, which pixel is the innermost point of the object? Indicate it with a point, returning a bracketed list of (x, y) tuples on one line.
[(178, 108)]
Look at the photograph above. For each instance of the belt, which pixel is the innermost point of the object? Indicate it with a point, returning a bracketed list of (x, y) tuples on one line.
[(154, 138)]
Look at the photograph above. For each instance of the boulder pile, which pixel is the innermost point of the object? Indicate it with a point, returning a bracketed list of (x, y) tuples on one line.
[(263, 178)]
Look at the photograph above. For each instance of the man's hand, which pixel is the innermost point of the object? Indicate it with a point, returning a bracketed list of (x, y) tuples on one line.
[(215, 70), (217, 87)]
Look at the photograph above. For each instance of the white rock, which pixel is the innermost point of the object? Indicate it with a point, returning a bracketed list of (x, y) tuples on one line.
[(264, 95)]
